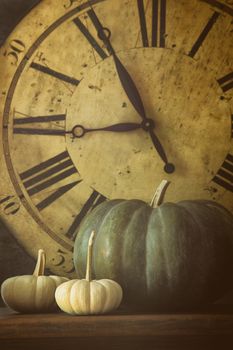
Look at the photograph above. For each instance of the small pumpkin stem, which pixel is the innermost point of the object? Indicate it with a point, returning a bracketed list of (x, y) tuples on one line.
[(159, 194), (40, 265), (89, 256)]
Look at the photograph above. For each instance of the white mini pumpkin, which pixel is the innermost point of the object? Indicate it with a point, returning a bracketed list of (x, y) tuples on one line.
[(32, 293), (86, 296)]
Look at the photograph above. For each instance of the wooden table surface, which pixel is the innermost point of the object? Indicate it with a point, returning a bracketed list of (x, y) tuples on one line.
[(206, 329)]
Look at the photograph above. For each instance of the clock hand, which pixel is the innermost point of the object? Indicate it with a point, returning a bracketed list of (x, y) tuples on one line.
[(130, 89), (148, 125), (79, 131), (125, 78), (168, 167)]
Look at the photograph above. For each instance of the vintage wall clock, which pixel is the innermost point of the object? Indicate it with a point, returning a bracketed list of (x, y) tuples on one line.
[(65, 74)]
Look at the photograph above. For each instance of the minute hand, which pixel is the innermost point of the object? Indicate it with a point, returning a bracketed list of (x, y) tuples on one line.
[(125, 78), (129, 87)]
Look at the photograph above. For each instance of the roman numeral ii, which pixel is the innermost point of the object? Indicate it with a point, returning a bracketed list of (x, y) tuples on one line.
[(29, 122)]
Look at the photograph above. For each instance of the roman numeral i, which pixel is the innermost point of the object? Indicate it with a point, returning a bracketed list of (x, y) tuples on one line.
[(226, 82), (204, 33), (90, 38), (55, 74), (92, 201)]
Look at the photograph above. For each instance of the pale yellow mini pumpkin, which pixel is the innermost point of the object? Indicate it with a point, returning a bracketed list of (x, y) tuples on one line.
[(32, 293), (86, 296)]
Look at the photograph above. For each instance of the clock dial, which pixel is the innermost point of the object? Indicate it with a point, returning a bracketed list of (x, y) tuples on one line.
[(74, 134)]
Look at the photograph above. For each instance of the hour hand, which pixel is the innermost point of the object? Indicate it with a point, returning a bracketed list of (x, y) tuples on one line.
[(79, 131), (169, 168)]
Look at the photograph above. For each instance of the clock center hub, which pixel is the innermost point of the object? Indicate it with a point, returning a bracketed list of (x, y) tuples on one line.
[(148, 124), (78, 131)]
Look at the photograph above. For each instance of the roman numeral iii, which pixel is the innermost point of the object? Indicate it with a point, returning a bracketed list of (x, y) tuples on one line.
[(157, 26), (42, 176), (224, 176)]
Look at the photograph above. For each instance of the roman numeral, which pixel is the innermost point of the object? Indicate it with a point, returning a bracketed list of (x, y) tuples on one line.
[(204, 34), (224, 176), (38, 119), (94, 199), (226, 82), (55, 74), (91, 39), (158, 23), (50, 172), (57, 194)]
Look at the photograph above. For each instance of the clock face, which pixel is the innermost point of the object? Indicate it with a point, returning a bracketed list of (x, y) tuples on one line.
[(59, 82)]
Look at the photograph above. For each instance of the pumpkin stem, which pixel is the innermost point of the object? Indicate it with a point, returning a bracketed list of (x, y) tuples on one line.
[(89, 256), (40, 265), (159, 194)]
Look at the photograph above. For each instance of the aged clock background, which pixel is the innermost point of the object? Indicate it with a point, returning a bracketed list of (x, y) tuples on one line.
[(94, 109)]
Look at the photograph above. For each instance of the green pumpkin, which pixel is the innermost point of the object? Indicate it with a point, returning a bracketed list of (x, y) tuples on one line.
[(175, 256)]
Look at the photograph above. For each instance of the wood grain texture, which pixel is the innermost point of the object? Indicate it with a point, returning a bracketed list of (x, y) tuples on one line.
[(200, 330)]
